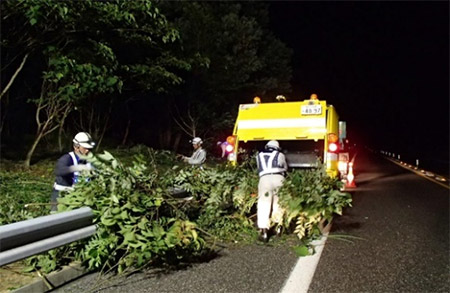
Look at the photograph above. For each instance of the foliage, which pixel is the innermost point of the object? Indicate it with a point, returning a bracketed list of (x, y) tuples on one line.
[(235, 57), (81, 51), (309, 198), (141, 222), (22, 194), (157, 160), (97, 33), (82, 62), (224, 197), (136, 223), (235, 41)]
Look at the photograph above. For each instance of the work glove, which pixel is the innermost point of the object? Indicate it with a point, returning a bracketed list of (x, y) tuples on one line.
[(81, 167)]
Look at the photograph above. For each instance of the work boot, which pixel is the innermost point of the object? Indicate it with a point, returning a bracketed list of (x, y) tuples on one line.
[(263, 235)]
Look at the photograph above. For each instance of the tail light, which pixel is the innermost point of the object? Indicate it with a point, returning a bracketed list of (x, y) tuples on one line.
[(333, 147), (333, 143), (230, 148), (231, 140)]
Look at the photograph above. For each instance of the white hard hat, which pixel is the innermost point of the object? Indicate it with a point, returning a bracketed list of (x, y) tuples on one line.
[(84, 139), (273, 144), (196, 140)]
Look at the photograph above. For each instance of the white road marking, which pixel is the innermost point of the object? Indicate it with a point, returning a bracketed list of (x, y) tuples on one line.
[(303, 272)]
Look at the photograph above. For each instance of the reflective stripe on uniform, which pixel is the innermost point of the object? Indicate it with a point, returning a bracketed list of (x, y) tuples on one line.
[(75, 163), (60, 187)]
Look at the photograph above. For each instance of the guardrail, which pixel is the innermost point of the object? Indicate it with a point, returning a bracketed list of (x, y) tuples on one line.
[(26, 238), (415, 166)]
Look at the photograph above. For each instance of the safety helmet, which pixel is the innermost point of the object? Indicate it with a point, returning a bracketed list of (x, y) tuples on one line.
[(197, 140), (84, 139), (273, 144)]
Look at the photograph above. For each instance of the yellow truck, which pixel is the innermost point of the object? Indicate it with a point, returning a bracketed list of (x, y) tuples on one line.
[(308, 131)]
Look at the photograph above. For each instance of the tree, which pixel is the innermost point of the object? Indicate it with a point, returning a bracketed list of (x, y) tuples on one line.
[(235, 57), (84, 48), (65, 83)]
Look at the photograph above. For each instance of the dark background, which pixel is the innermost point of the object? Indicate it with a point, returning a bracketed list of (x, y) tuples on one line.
[(383, 65)]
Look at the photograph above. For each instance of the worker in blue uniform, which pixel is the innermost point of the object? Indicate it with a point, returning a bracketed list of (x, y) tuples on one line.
[(70, 165)]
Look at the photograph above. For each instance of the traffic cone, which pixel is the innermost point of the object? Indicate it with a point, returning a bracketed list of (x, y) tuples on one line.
[(350, 177)]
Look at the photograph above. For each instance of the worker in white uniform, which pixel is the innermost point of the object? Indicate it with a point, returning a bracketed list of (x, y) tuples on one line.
[(272, 168), (198, 156)]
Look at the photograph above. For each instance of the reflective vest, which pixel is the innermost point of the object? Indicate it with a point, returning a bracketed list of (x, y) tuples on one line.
[(268, 163), (60, 187)]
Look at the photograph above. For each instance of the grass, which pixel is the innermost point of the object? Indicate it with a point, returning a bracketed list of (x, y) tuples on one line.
[(13, 277)]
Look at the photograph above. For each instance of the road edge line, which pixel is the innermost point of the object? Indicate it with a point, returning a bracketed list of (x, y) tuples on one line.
[(418, 173), (303, 272)]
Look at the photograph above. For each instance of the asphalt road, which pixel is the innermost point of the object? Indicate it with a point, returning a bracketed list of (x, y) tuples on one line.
[(402, 221), (255, 268), (399, 224)]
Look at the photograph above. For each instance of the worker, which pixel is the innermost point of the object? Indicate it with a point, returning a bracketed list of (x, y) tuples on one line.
[(272, 168), (223, 147), (69, 166), (198, 156)]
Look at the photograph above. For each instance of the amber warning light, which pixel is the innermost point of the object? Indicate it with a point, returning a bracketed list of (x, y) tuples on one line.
[(231, 140), (332, 142)]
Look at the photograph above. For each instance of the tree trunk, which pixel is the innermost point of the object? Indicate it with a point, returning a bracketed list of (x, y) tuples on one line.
[(61, 128), (32, 149), (4, 114), (127, 131), (55, 111)]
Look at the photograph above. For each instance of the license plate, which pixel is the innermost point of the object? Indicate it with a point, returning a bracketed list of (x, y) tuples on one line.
[(311, 110)]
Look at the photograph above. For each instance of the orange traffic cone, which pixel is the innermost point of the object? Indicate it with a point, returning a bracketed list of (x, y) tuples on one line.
[(350, 177)]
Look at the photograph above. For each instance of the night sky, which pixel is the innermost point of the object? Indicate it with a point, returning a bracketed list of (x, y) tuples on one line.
[(383, 65)]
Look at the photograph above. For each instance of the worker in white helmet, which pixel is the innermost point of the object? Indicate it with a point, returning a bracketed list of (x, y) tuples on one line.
[(69, 166), (198, 156), (272, 168)]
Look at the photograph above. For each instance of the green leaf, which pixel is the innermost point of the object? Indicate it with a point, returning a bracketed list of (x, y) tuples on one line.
[(115, 210), (302, 250), (108, 222), (28, 269), (114, 198), (124, 215), (129, 236), (111, 81), (106, 156)]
